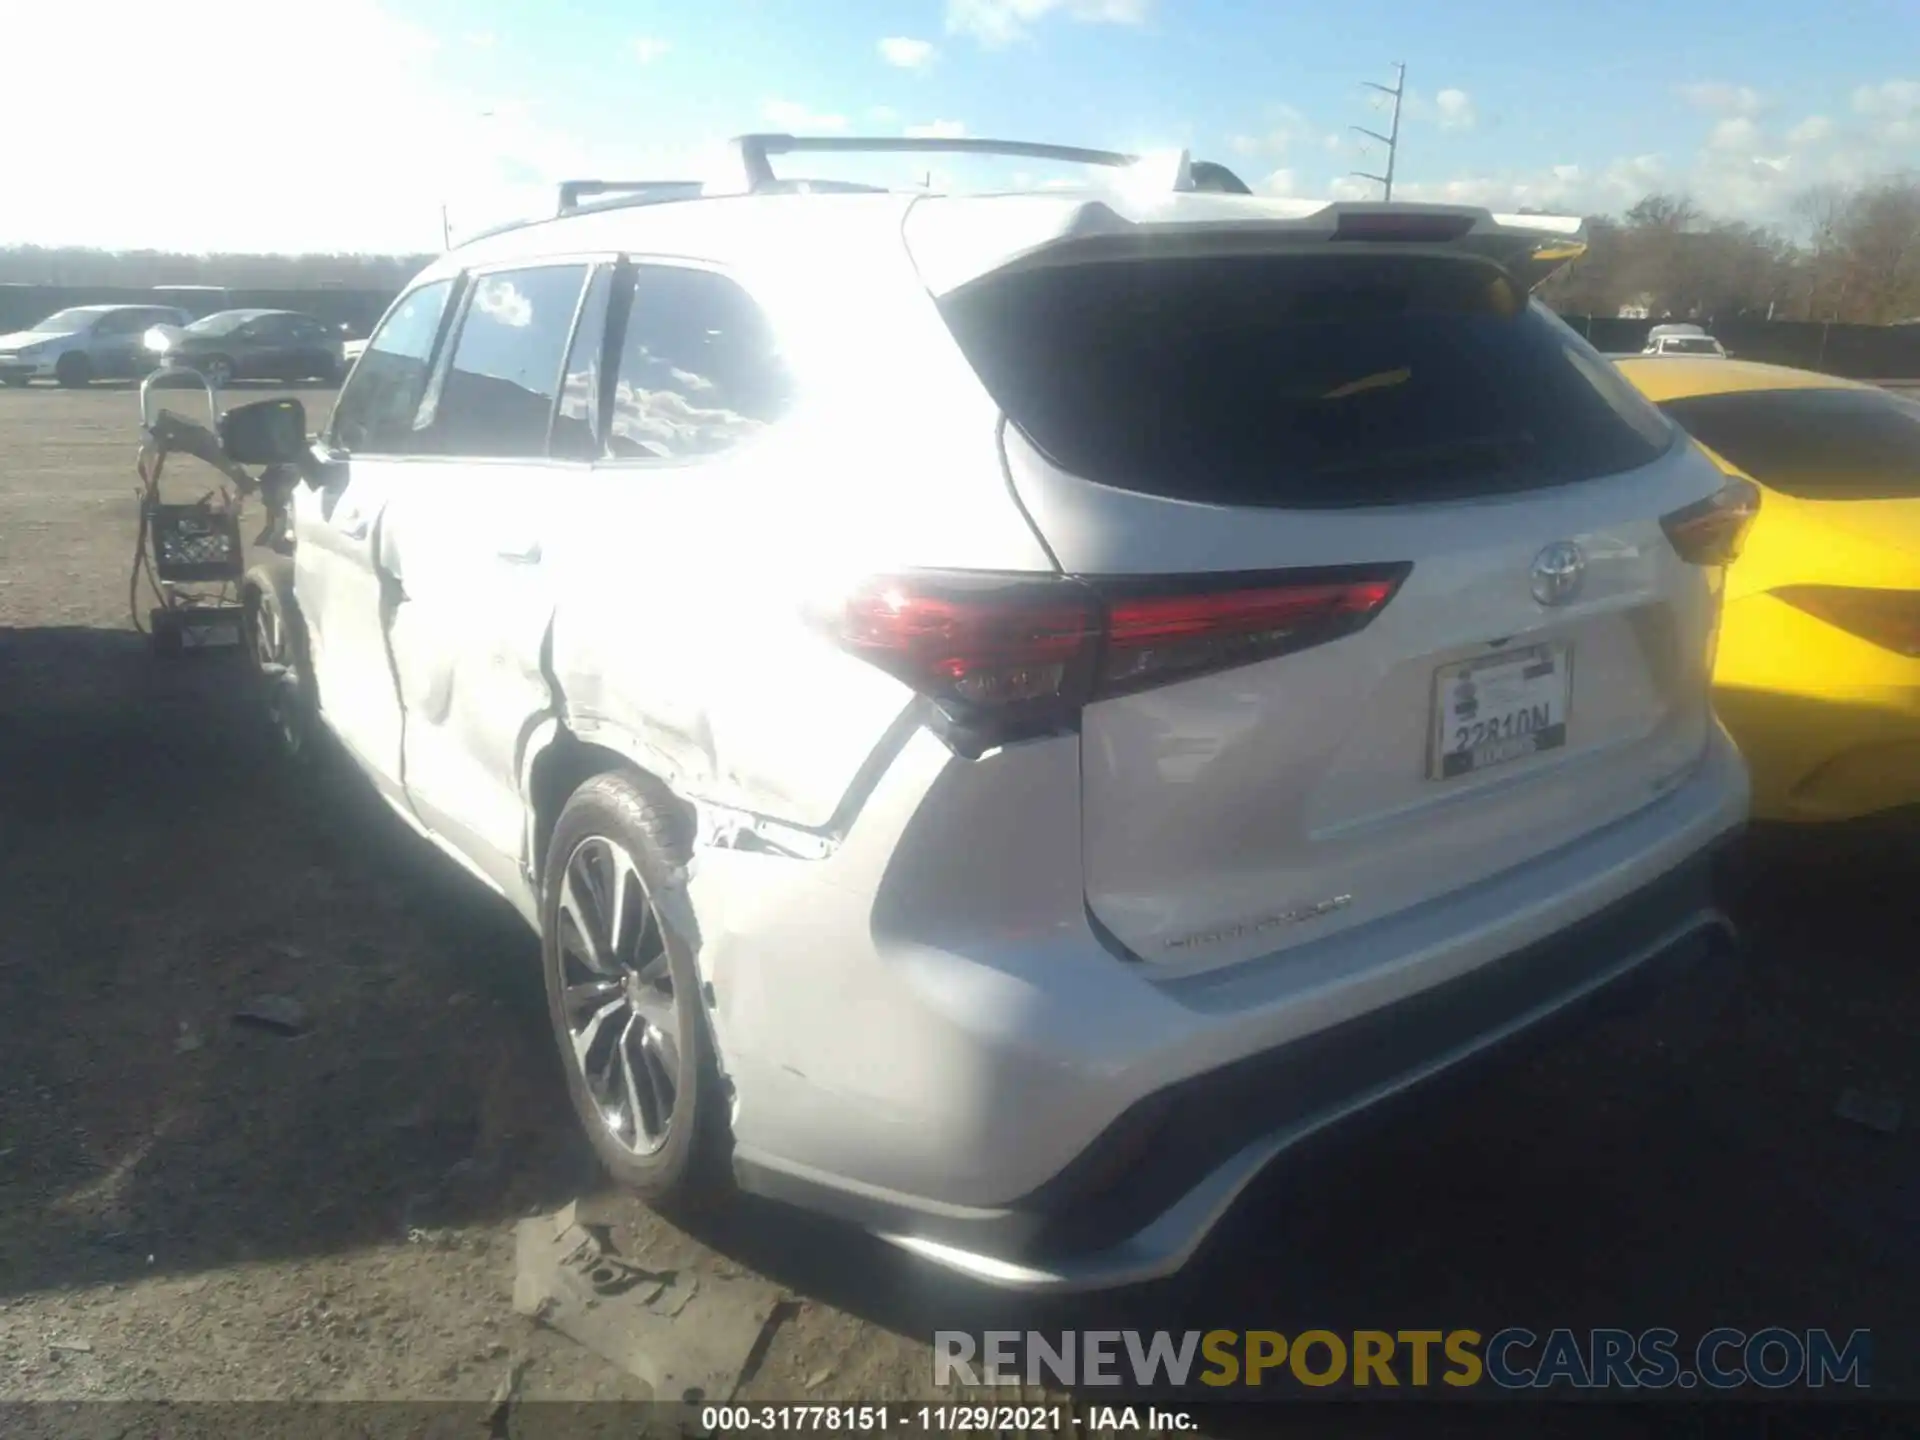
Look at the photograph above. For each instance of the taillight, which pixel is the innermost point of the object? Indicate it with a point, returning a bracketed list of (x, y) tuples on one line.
[(1005, 659), (1711, 531), (1887, 618)]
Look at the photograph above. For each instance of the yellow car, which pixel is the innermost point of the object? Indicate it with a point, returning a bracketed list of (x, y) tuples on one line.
[(1818, 674)]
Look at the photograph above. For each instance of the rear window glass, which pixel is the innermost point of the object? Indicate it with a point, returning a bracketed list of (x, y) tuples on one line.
[(1303, 381), (1825, 444)]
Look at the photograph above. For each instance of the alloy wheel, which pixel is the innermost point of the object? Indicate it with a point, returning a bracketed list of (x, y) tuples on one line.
[(616, 994)]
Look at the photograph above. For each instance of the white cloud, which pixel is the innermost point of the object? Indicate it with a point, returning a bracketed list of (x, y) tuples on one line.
[(1893, 108), (1811, 131), (792, 116), (938, 130), (1455, 108), (1352, 187), (1001, 22), (500, 298), (1289, 131), (1282, 183), (483, 39), (1717, 97), (649, 48), (1450, 109), (1889, 100), (906, 53), (1739, 133), (1558, 188)]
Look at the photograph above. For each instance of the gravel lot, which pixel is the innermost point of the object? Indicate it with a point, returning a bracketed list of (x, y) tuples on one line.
[(223, 1213)]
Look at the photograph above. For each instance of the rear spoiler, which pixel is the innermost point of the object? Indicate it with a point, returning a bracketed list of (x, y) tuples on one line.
[(955, 241)]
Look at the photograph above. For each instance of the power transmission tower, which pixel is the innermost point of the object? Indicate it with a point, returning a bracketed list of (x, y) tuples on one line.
[(1392, 138)]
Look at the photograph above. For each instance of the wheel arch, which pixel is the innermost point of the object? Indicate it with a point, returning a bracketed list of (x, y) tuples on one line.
[(560, 762)]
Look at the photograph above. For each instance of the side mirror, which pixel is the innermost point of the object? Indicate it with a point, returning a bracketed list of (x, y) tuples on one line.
[(267, 432)]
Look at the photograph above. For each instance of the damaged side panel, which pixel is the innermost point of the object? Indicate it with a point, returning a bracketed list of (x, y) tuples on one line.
[(690, 652)]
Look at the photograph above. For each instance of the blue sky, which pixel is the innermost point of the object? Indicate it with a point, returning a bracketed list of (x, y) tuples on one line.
[(481, 104)]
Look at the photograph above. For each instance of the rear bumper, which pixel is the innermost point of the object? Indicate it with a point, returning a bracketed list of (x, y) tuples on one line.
[(925, 1042), (1146, 1195)]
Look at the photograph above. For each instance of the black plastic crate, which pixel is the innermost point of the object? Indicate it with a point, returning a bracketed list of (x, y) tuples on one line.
[(195, 543)]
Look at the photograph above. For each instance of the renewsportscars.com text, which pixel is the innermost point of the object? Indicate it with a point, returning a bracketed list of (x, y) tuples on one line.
[(1774, 1358)]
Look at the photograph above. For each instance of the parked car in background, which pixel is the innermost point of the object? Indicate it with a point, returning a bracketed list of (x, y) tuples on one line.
[(1818, 675), (255, 345), (352, 350), (1209, 664), (1699, 345), (83, 344)]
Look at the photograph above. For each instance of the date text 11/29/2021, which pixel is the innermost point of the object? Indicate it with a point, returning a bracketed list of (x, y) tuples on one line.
[(939, 1419)]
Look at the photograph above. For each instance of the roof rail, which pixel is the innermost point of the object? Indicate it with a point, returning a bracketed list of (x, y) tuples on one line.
[(572, 192), (750, 171)]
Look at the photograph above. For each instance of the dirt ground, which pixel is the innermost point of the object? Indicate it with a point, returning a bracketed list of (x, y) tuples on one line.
[(193, 1210)]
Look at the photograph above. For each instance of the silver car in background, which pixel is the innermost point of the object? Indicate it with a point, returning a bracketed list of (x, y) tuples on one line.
[(84, 343)]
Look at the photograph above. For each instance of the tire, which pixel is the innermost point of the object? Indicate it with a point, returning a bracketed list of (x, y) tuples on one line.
[(73, 370), (620, 830), (277, 653), (14, 382), (218, 371), (327, 372)]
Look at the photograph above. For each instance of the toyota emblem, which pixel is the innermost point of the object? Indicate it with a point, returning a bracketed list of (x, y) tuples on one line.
[(1557, 573)]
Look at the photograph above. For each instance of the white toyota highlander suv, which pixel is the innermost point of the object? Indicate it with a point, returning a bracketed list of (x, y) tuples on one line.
[(1009, 711)]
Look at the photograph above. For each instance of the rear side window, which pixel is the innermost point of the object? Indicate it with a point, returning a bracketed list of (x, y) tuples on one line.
[(699, 369), (1302, 381), (1824, 444), (375, 412), (498, 396)]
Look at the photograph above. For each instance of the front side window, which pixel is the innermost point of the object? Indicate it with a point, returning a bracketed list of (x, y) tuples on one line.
[(1838, 443), (499, 393), (65, 322), (376, 409), (699, 368)]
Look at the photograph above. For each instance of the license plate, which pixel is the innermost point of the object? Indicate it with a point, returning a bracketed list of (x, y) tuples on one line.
[(1500, 708)]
